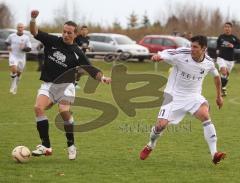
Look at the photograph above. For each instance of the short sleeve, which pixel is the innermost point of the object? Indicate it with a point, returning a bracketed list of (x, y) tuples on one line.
[(213, 71), (171, 56)]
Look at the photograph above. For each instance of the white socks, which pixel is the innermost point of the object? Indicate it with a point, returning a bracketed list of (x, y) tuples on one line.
[(153, 137), (14, 83), (14, 80), (210, 136)]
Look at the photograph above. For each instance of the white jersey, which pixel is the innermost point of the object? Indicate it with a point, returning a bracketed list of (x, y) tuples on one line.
[(17, 43), (187, 76)]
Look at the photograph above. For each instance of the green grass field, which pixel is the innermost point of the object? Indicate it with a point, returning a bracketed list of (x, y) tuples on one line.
[(111, 153)]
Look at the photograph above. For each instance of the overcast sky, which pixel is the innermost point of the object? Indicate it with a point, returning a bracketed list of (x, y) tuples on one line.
[(106, 11)]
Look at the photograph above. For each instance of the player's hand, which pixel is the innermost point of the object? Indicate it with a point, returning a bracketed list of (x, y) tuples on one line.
[(230, 45), (34, 13), (219, 102), (156, 58), (106, 80)]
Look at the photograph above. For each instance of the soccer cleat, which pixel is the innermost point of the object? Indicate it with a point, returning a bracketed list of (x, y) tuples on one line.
[(145, 152), (13, 90), (72, 152), (42, 150), (218, 156)]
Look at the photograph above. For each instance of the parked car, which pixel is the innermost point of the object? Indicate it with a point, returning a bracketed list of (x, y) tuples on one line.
[(4, 33), (212, 47), (105, 42), (157, 43)]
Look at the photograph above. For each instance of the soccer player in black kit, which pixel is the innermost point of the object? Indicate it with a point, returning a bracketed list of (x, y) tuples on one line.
[(226, 43), (82, 41), (61, 55)]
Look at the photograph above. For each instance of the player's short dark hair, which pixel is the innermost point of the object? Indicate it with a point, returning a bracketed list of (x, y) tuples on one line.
[(202, 40), (71, 23), (228, 23), (84, 27)]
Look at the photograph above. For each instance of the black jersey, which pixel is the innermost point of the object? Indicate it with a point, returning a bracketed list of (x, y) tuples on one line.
[(224, 51), (83, 42), (61, 57)]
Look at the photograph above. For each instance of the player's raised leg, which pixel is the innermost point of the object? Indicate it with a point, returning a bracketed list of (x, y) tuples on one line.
[(42, 103), (155, 133), (209, 133)]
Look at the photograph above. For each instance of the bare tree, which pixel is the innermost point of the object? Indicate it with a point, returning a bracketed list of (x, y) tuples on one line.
[(6, 17), (61, 15), (216, 22)]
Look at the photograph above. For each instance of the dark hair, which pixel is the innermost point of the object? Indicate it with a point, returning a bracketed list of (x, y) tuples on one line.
[(202, 40), (71, 23), (229, 23), (84, 27)]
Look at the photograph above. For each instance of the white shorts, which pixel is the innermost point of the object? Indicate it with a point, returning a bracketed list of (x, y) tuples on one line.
[(20, 63), (58, 92), (175, 110), (225, 63)]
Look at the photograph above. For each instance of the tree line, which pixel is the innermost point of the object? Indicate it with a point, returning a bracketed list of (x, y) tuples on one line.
[(181, 18)]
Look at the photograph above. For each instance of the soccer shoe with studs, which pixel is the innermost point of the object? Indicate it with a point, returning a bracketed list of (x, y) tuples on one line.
[(218, 156), (42, 150), (145, 152), (72, 152)]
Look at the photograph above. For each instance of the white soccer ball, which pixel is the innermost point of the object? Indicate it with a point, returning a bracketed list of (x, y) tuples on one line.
[(21, 154)]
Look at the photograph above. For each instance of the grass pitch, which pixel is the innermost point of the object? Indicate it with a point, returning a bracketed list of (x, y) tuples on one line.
[(111, 153)]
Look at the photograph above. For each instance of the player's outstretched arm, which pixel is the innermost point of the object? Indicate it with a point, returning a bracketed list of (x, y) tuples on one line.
[(218, 84), (156, 58), (33, 26)]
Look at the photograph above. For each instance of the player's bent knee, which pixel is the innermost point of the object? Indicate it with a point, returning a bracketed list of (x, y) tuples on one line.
[(223, 71), (39, 111)]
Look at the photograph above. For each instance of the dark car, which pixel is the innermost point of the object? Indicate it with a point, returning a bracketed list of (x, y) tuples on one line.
[(157, 43), (212, 47)]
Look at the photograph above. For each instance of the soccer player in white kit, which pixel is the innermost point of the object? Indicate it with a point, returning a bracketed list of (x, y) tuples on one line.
[(183, 93), (18, 44)]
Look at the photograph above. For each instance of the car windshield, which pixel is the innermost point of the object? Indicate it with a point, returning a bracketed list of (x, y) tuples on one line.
[(124, 40), (182, 42), (212, 42)]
